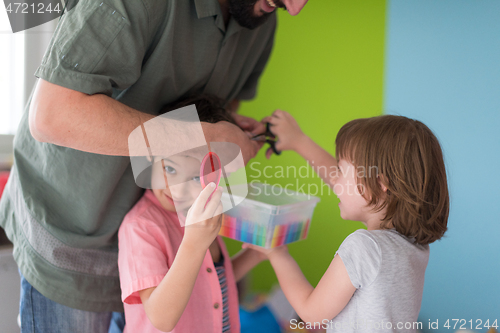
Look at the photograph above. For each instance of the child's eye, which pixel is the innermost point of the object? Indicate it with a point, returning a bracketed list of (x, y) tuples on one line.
[(196, 179), (169, 169)]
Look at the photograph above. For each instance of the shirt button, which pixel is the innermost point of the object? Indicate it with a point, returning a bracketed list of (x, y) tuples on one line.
[(216, 305), (209, 270)]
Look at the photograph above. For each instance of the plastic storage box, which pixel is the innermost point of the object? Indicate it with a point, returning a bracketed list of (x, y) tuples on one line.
[(269, 216)]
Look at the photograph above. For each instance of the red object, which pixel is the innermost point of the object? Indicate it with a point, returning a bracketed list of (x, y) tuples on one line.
[(210, 171), (4, 176)]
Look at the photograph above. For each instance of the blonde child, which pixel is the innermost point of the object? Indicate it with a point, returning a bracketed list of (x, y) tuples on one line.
[(174, 278), (390, 175)]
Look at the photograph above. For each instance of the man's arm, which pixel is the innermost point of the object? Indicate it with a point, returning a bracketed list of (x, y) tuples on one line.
[(92, 123), (101, 125), (247, 124)]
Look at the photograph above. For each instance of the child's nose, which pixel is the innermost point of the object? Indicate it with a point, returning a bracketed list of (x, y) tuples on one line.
[(180, 191), (333, 181)]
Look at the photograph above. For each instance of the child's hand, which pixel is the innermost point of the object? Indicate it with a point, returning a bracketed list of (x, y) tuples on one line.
[(254, 253), (203, 223), (285, 127), (268, 253)]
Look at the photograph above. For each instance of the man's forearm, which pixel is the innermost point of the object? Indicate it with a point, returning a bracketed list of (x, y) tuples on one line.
[(104, 128), (101, 125), (92, 123)]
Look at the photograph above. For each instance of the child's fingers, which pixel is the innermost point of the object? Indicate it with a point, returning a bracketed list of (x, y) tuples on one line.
[(269, 153), (258, 127), (254, 248), (219, 209), (247, 246), (266, 119), (281, 114), (200, 202), (279, 145), (213, 203), (271, 120), (277, 113), (216, 219)]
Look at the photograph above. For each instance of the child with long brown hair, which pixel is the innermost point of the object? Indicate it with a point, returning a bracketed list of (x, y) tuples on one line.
[(389, 174)]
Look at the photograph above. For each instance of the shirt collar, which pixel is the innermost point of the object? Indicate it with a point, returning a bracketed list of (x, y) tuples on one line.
[(205, 8)]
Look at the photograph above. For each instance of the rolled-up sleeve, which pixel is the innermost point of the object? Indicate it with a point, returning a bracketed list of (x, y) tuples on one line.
[(98, 46)]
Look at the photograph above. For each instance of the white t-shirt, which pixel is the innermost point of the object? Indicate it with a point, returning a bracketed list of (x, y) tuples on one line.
[(388, 271)]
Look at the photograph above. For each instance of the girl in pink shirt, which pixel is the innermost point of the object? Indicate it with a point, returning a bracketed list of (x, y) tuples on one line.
[(173, 278)]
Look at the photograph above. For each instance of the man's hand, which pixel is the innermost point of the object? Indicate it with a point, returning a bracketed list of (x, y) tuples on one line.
[(224, 131), (249, 125)]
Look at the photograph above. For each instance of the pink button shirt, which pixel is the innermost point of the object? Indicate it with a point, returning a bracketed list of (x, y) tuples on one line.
[(149, 238)]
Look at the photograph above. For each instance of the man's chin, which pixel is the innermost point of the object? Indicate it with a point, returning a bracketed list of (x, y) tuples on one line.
[(246, 15), (255, 22)]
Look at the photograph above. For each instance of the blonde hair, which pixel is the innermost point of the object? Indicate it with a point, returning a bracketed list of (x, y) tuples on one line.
[(409, 163)]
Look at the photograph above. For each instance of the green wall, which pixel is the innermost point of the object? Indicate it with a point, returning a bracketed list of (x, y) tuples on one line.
[(326, 69)]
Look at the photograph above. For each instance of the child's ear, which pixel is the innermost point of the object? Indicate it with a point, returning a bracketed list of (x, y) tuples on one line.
[(382, 181)]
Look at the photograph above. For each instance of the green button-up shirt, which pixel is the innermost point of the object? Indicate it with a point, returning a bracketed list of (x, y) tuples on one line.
[(62, 207)]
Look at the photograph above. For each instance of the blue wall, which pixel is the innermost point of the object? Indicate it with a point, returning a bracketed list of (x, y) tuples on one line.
[(443, 68)]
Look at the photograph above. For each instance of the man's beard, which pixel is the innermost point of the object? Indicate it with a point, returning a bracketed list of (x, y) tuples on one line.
[(243, 13)]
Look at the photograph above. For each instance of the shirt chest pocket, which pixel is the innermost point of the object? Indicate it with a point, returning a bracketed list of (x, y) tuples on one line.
[(83, 51)]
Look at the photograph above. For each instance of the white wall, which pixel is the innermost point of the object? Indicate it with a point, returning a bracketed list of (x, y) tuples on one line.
[(36, 41)]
